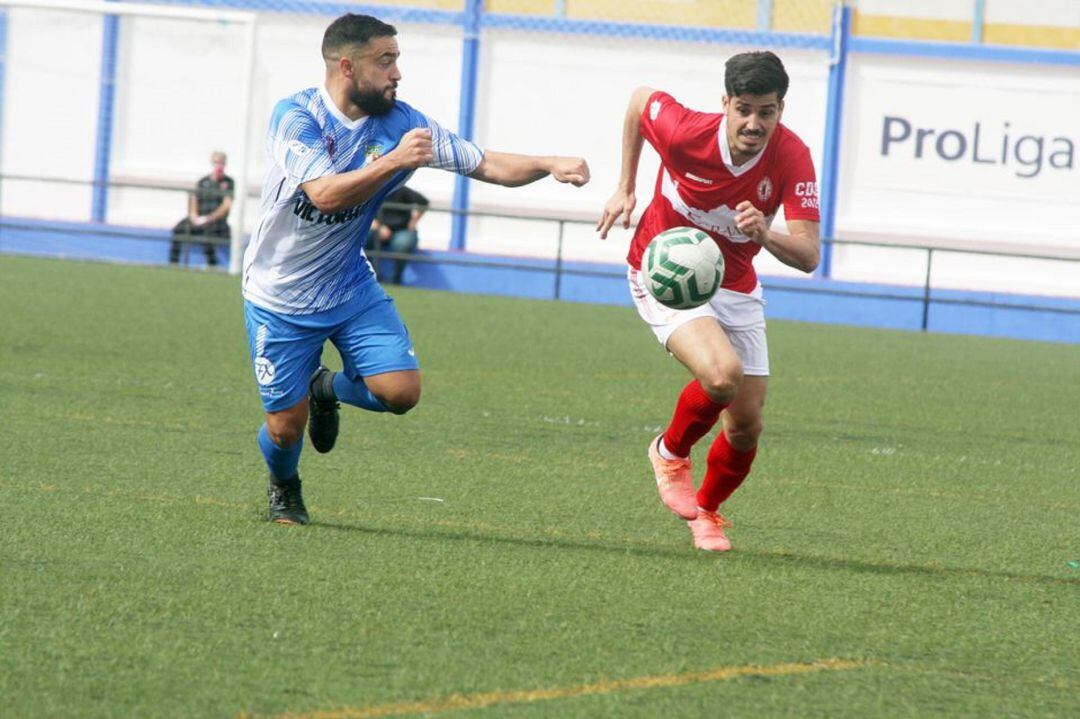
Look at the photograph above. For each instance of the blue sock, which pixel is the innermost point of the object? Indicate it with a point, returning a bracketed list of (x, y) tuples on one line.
[(356, 393), (281, 461)]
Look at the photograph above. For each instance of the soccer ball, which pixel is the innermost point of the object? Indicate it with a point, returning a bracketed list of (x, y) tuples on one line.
[(682, 267)]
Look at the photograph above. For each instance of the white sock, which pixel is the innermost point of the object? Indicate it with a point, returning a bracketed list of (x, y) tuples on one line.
[(665, 452)]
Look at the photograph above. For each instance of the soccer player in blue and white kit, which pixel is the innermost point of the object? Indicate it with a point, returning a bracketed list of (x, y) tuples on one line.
[(336, 152)]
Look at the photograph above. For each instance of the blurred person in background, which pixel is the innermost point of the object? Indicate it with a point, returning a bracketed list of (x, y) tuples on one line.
[(336, 151), (394, 230), (208, 208)]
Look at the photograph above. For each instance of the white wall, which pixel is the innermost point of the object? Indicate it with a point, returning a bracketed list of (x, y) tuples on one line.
[(50, 111), (981, 155)]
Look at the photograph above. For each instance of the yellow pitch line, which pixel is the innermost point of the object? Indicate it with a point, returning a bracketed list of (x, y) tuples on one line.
[(480, 701)]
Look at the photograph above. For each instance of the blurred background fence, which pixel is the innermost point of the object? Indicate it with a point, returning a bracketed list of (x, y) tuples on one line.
[(944, 132)]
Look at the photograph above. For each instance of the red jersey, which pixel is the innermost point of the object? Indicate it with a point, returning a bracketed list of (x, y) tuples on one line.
[(698, 186)]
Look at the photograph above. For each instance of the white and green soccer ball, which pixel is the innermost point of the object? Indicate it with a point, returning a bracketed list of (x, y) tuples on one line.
[(683, 268)]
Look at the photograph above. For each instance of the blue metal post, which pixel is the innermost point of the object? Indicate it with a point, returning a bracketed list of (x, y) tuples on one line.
[(978, 22), (470, 56), (106, 98), (764, 15), (3, 72), (834, 118)]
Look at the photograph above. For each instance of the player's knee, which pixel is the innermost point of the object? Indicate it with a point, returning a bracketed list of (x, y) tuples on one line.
[(744, 436), (401, 399), (284, 431), (721, 383), (285, 436)]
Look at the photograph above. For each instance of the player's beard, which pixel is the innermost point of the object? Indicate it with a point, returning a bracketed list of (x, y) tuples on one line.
[(372, 102)]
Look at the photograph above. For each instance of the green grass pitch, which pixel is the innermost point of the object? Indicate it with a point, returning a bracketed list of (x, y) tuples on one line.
[(902, 547)]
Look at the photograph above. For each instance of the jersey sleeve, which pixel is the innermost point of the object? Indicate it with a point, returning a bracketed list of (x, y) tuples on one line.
[(452, 153), (296, 144), (660, 119), (800, 191)]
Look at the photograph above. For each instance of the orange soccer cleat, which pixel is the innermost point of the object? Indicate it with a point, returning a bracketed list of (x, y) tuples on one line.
[(708, 531), (675, 482)]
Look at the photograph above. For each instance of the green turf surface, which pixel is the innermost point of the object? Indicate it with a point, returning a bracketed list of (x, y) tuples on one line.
[(911, 513)]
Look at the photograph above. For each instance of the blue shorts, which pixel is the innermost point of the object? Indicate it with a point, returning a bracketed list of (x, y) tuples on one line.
[(286, 349)]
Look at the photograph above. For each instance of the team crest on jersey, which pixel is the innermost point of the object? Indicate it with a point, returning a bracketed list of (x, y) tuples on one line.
[(372, 153), (328, 141), (264, 370), (764, 189), (654, 109)]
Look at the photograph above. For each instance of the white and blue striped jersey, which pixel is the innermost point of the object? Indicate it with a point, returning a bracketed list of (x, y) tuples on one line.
[(300, 261)]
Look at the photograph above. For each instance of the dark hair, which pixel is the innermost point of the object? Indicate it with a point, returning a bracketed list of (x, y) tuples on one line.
[(755, 73), (352, 29)]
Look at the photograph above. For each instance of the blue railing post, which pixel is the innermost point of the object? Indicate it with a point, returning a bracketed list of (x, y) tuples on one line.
[(470, 56), (978, 21), (106, 98), (834, 119), (3, 72), (764, 15)]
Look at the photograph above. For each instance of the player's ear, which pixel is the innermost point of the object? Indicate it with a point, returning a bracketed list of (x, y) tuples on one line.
[(724, 103)]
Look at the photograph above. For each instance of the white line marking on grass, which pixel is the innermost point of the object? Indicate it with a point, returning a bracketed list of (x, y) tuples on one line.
[(571, 421)]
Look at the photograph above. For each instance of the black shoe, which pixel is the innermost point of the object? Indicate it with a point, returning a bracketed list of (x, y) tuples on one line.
[(323, 414), (287, 502)]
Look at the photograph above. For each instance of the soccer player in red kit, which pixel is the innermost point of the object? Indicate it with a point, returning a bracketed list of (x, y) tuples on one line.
[(727, 174)]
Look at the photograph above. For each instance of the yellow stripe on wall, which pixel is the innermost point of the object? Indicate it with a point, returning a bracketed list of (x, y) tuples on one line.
[(801, 16), (521, 7), (1063, 38), (427, 4), (907, 28), (696, 13), (805, 16), (910, 28)]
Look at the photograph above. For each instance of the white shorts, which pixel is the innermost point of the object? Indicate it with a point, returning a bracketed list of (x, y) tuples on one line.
[(741, 315)]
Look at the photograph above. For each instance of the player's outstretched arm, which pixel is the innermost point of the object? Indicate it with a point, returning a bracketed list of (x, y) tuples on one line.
[(621, 204), (334, 193), (510, 170)]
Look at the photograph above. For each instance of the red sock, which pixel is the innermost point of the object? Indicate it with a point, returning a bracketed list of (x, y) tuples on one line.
[(727, 468), (695, 415)]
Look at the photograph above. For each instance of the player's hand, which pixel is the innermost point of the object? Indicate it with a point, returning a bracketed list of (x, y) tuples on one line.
[(570, 169), (751, 222), (415, 149), (621, 205)]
